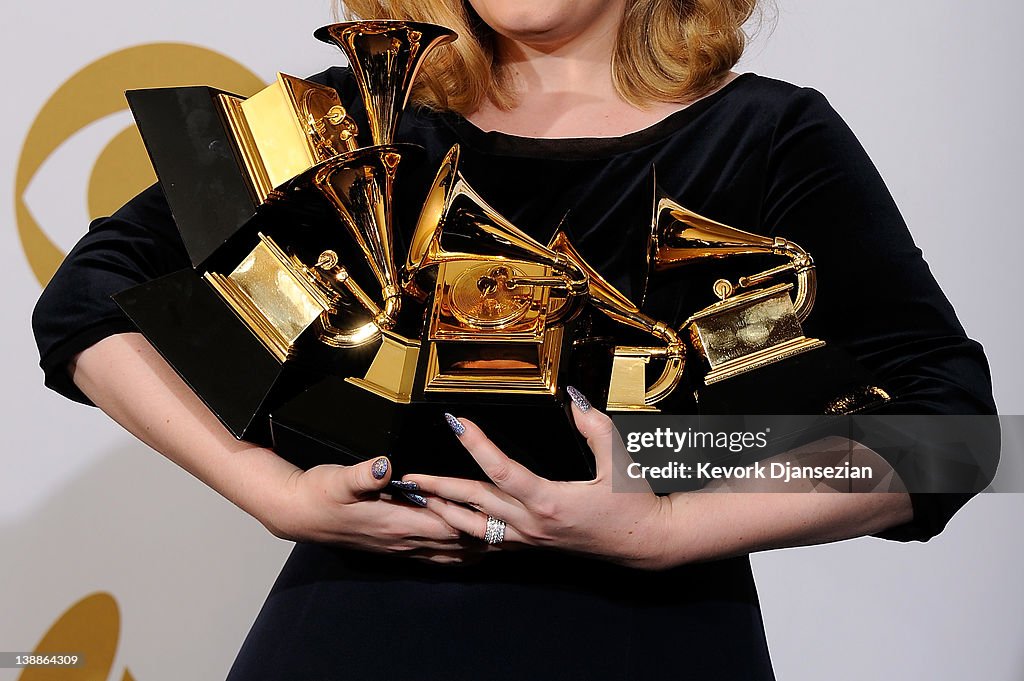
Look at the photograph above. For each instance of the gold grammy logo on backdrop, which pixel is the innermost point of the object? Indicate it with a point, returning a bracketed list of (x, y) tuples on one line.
[(90, 628), (122, 169)]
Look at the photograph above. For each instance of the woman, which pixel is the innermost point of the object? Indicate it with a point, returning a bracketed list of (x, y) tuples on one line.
[(580, 99)]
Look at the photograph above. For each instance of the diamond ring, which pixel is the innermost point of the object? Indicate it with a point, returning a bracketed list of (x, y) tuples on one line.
[(495, 532)]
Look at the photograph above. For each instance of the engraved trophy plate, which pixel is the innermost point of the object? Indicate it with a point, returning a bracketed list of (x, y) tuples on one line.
[(746, 332)]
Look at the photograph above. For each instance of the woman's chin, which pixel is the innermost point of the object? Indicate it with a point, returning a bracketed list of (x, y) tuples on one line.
[(544, 22)]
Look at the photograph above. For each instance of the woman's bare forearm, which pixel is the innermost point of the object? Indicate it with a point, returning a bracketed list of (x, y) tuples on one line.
[(330, 503), (126, 378), (747, 516), (713, 526)]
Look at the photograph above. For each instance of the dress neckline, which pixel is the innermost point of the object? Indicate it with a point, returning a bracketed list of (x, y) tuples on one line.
[(577, 148)]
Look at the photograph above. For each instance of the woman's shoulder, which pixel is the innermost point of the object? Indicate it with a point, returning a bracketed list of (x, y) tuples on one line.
[(759, 112), (752, 93)]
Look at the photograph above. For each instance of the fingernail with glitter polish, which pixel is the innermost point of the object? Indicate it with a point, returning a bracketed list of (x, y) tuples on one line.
[(455, 424), (417, 499), (404, 485), (578, 399), (380, 468)]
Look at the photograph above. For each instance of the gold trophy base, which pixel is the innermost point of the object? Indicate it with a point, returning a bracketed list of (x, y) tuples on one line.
[(271, 294), (393, 371), (495, 368), (749, 331), (761, 358), (745, 340), (627, 388)]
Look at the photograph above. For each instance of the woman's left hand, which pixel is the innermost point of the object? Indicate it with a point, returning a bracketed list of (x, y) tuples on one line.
[(588, 518)]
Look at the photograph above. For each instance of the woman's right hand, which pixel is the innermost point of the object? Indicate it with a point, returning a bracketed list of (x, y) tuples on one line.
[(352, 506)]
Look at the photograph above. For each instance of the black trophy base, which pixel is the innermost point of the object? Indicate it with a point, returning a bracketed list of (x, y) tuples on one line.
[(212, 350), (193, 153), (812, 383), (338, 422)]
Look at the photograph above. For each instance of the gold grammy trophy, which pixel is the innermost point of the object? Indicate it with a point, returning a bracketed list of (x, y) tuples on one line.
[(298, 135), (756, 322)]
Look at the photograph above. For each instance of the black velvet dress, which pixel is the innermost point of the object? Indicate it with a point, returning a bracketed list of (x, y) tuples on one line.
[(761, 155)]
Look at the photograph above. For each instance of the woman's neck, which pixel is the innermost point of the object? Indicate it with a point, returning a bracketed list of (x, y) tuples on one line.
[(566, 90)]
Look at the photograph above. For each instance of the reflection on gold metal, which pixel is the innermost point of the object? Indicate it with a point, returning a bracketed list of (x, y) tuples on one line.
[(393, 370), (272, 294), (748, 331), (259, 182), (285, 129), (305, 129), (297, 133), (856, 401), (481, 365), (332, 276), (464, 309), (385, 57), (628, 389), (453, 210), (749, 327), (499, 297), (359, 185), (680, 236), (484, 296)]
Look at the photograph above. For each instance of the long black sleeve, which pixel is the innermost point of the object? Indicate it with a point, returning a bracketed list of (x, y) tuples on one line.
[(136, 244), (877, 297)]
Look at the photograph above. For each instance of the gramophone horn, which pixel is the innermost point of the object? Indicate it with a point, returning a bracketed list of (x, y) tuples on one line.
[(359, 186), (454, 212), (385, 57), (296, 135), (627, 390), (679, 236)]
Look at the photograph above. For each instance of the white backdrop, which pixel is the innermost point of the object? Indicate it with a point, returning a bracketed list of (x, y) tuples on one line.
[(932, 90)]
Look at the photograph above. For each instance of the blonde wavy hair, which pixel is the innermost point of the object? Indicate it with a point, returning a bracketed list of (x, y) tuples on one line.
[(667, 50)]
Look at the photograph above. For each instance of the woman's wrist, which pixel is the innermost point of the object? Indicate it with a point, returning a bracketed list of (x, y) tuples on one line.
[(664, 537), (268, 490), (128, 380)]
